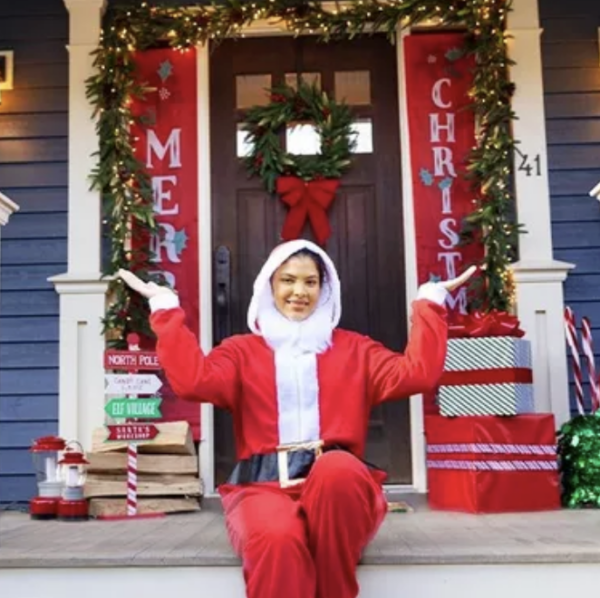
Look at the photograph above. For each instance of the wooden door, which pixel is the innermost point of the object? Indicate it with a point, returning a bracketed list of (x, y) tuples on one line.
[(366, 216)]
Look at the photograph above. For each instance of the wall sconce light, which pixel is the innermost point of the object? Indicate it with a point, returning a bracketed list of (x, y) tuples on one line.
[(7, 67)]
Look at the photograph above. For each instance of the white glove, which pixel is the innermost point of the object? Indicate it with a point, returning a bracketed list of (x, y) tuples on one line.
[(158, 297), (437, 292)]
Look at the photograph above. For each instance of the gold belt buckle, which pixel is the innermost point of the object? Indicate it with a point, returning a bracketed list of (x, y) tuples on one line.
[(282, 459)]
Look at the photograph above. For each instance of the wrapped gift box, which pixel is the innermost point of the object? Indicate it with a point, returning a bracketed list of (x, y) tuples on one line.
[(487, 376), (487, 464)]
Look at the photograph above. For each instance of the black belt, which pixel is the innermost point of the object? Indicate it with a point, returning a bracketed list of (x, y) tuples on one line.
[(265, 468)]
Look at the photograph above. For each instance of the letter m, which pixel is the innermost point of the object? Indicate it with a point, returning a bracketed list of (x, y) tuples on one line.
[(173, 146)]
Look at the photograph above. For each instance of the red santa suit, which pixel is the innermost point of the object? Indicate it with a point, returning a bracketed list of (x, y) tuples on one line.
[(293, 382)]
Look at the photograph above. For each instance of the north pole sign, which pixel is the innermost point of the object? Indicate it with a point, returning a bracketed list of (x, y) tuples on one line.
[(131, 361), (131, 432)]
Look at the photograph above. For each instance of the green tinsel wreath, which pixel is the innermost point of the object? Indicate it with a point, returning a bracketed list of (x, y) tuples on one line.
[(579, 453), (306, 104)]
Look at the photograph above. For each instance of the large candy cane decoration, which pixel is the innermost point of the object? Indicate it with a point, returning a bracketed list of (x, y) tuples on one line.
[(571, 333), (588, 351)]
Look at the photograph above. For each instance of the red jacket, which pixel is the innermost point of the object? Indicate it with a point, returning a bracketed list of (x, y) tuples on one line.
[(355, 374)]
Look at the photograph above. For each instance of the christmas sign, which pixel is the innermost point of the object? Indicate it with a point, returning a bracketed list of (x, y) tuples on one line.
[(131, 361), (134, 408), (132, 384), (132, 432)]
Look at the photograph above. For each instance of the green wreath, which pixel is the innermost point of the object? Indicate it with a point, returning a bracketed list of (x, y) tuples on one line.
[(306, 104)]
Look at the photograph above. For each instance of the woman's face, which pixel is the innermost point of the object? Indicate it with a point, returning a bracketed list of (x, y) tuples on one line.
[(296, 288)]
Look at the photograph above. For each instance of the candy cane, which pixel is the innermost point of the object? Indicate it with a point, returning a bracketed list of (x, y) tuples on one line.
[(132, 479), (571, 333), (588, 350)]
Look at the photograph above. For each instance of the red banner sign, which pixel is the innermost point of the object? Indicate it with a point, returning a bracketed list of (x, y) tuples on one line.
[(132, 432), (442, 132), (168, 148)]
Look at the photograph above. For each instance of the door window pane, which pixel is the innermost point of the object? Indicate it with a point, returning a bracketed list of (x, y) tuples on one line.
[(302, 139), (363, 129), (353, 87), (291, 79), (252, 90)]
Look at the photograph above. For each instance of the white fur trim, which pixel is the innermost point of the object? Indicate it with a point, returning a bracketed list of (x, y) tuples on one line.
[(434, 292), (163, 301)]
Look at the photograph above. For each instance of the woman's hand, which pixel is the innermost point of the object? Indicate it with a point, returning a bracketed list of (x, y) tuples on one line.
[(450, 285), (146, 289)]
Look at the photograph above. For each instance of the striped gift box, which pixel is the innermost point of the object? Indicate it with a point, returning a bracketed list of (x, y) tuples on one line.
[(487, 376)]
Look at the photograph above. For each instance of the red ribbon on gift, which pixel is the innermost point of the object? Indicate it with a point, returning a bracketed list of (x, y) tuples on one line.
[(488, 376), (306, 199), (480, 324)]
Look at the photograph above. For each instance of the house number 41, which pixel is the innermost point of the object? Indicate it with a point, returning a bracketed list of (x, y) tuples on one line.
[(532, 167)]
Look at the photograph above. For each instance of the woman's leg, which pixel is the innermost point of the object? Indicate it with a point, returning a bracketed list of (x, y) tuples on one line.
[(344, 507), (268, 531)]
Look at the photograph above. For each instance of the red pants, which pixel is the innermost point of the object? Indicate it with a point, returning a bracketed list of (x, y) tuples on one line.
[(306, 546)]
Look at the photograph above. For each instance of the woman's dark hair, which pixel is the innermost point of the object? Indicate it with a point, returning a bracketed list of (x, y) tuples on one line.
[(317, 259)]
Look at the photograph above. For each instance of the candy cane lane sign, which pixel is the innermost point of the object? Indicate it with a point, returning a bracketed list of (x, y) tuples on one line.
[(132, 432), (132, 384), (124, 408), (131, 360)]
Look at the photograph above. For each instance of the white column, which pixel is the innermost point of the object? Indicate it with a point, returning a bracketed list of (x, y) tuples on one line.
[(538, 276), (7, 207), (82, 294)]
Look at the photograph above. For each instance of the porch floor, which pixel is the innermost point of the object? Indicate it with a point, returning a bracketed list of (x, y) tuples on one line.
[(420, 537)]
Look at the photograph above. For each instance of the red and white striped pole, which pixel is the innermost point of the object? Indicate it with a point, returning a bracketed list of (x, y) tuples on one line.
[(133, 342), (588, 351), (571, 334)]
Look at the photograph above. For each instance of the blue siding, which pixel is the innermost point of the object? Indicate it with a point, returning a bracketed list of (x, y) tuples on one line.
[(571, 61), (33, 172)]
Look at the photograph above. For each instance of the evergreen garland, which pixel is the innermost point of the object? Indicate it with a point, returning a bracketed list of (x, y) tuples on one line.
[(124, 185)]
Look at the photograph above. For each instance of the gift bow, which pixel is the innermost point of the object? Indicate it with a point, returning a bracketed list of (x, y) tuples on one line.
[(306, 199), (478, 324)]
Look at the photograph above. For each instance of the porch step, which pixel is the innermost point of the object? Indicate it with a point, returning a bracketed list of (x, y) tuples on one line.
[(421, 553)]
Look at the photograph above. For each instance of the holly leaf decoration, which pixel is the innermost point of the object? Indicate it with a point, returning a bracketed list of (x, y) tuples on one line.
[(165, 70), (426, 177), (453, 54), (445, 183), (180, 240)]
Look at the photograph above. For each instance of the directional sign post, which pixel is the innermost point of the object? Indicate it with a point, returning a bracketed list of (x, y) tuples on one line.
[(132, 384), (134, 408), (132, 432)]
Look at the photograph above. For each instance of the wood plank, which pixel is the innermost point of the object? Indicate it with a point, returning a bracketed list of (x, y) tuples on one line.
[(568, 208), (37, 201), (16, 461), (569, 235), (23, 330), (573, 157), (32, 8), (21, 434), (51, 26), (41, 76), (34, 175), (18, 151), (153, 464), (561, 105), (559, 8), (570, 28), (586, 259), (147, 485), (20, 252), (28, 278), (37, 226), (573, 183), (35, 303), (582, 287), (40, 52), (17, 489), (23, 101), (570, 54), (117, 507), (563, 80), (581, 130), (32, 126), (29, 408), (30, 381), (174, 438)]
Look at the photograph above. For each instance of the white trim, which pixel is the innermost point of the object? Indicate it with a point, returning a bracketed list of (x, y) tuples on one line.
[(538, 276), (417, 420), (7, 207), (207, 447)]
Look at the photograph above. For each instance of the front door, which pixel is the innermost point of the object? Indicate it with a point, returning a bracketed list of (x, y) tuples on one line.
[(366, 216)]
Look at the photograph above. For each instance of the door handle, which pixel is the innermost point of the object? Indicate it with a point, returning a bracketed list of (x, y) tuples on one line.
[(222, 293)]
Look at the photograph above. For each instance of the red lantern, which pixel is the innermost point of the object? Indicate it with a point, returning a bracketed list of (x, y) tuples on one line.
[(73, 472), (45, 453)]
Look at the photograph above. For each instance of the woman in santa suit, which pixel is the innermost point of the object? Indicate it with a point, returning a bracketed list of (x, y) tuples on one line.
[(300, 505)]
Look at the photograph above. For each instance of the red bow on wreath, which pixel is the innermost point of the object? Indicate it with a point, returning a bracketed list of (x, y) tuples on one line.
[(306, 200)]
